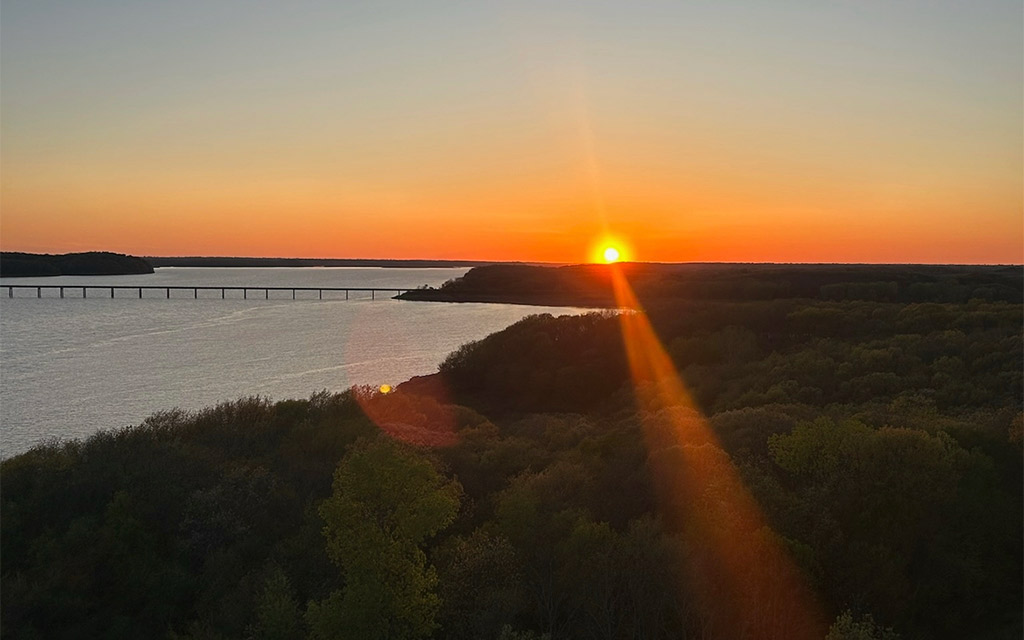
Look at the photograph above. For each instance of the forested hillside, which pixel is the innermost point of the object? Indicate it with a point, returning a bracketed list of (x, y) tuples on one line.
[(529, 490)]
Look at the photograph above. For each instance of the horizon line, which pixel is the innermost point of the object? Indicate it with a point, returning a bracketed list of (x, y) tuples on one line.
[(480, 262)]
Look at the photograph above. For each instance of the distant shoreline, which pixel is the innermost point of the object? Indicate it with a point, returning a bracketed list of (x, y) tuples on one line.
[(592, 285), (93, 263)]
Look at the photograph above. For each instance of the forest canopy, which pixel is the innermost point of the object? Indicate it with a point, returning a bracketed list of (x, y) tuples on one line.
[(530, 489)]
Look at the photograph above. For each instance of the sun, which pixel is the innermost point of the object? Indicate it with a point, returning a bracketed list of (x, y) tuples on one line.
[(609, 249)]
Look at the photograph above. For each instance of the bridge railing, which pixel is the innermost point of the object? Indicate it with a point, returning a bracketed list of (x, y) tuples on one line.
[(60, 290)]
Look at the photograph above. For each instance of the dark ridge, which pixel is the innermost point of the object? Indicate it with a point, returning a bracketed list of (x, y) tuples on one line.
[(590, 285), (92, 263)]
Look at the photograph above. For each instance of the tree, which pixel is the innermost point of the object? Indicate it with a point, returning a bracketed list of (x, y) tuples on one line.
[(386, 502), (277, 612), (480, 585), (908, 525)]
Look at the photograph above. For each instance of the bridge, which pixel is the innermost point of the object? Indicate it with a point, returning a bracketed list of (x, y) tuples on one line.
[(59, 290)]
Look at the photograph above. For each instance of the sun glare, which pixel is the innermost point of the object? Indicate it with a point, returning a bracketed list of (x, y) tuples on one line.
[(609, 249), (741, 559)]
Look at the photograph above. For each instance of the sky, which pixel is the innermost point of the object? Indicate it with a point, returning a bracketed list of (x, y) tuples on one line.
[(787, 131)]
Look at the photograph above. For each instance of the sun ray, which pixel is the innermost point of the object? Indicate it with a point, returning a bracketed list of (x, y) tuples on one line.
[(746, 582)]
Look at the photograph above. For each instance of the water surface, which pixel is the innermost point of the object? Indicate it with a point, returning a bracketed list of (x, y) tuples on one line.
[(72, 366)]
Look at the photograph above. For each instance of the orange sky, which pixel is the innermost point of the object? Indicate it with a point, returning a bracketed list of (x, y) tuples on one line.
[(691, 134)]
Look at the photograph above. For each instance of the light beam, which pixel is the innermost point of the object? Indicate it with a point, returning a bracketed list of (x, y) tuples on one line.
[(745, 582)]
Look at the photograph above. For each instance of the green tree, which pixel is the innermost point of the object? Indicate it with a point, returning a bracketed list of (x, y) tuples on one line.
[(908, 525), (277, 612), (386, 502), (480, 585)]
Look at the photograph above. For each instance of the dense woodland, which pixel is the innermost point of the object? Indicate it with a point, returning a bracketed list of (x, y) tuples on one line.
[(512, 496), (589, 284)]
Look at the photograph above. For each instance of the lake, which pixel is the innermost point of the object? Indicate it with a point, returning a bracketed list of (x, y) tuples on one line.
[(72, 366)]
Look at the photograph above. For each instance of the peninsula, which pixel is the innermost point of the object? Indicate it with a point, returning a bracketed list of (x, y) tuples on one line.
[(590, 285)]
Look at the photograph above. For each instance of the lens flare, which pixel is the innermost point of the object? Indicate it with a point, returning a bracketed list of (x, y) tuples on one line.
[(420, 418), (740, 573)]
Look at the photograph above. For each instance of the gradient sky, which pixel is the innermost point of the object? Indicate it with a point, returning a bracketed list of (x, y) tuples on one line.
[(691, 131)]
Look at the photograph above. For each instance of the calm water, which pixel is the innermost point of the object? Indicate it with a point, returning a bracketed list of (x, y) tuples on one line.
[(72, 366)]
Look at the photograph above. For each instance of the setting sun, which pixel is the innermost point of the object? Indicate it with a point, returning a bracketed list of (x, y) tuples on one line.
[(611, 254)]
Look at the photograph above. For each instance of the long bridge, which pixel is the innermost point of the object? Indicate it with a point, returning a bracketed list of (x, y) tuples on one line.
[(60, 289)]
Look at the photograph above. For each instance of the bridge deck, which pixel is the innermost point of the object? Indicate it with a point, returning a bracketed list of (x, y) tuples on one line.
[(195, 289)]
